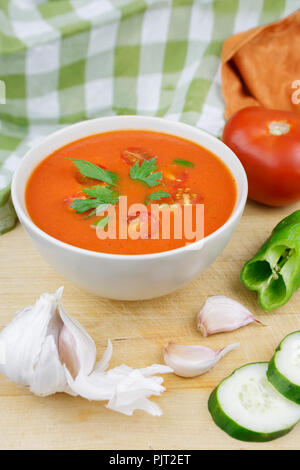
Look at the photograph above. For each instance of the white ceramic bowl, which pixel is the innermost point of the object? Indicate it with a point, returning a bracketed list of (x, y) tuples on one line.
[(129, 277)]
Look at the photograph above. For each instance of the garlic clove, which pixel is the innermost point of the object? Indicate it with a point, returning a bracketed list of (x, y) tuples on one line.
[(220, 314), (67, 351), (191, 361), (79, 343)]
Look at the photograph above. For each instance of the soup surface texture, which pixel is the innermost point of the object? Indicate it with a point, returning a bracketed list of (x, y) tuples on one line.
[(182, 172)]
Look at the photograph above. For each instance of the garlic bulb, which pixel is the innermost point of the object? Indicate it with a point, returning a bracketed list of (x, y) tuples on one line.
[(48, 351), (190, 361), (220, 313)]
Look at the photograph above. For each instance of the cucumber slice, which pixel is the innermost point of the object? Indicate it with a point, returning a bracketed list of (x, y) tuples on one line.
[(247, 407), (284, 367)]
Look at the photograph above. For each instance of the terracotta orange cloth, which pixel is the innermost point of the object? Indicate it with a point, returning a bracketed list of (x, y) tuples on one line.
[(262, 67)]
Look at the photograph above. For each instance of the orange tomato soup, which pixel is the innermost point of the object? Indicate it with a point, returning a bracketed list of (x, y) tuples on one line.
[(190, 174)]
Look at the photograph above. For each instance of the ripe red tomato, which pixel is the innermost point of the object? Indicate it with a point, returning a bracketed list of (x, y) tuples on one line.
[(267, 142), (135, 154)]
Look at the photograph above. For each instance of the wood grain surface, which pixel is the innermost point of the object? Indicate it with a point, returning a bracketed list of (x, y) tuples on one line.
[(139, 330)]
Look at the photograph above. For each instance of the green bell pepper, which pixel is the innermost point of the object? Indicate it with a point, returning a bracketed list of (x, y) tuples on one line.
[(274, 272)]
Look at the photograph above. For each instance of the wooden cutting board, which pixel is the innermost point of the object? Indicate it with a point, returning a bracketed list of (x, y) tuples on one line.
[(139, 330)]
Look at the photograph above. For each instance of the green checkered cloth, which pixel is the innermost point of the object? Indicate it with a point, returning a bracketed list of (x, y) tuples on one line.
[(62, 61)]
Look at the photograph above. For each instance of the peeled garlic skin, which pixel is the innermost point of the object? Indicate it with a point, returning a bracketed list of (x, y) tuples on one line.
[(220, 314), (190, 360), (126, 389)]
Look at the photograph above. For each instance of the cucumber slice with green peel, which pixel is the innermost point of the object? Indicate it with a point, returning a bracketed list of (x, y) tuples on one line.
[(284, 367), (247, 407)]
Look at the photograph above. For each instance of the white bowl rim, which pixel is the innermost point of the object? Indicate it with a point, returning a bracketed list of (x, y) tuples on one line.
[(180, 125)]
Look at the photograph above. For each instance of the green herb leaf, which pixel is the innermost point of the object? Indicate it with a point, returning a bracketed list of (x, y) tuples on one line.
[(83, 205), (100, 208), (102, 223), (156, 196), (145, 172), (107, 195), (98, 197), (181, 162), (93, 171)]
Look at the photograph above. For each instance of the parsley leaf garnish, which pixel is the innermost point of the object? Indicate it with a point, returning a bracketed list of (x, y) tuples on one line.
[(98, 197), (93, 171), (102, 223), (106, 195), (83, 205), (156, 196), (145, 172), (181, 162)]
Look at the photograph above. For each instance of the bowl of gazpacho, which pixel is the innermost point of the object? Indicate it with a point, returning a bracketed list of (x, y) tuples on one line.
[(130, 207)]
